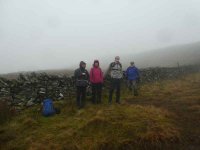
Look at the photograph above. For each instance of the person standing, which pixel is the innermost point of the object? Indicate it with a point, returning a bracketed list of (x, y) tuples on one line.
[(81, 76), (96, 79), (133, 76), (116, 74)]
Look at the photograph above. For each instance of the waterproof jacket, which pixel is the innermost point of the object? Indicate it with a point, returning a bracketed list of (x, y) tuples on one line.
[(96, 75), (81, 76), (132, 73)]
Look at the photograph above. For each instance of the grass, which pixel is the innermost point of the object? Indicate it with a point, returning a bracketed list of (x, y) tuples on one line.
[(164, 116)]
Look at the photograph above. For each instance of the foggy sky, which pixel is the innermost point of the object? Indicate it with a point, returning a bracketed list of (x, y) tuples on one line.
[(50, 34)]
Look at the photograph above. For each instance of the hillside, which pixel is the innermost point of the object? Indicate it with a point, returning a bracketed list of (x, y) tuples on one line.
[(168, 57), (164, 116)]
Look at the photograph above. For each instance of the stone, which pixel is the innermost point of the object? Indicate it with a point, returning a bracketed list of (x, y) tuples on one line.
[(30, 103)]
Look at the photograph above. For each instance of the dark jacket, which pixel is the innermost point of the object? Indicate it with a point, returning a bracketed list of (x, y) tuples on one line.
[(81, 76)]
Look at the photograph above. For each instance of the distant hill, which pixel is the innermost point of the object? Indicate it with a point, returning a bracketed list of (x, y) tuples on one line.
[(167, 57)]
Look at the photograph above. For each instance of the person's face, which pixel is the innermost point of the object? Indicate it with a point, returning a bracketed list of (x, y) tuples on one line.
[(83, 65), (96, 64), (117, 59)]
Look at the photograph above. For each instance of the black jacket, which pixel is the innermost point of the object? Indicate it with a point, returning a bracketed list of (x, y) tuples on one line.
[(81, 77)]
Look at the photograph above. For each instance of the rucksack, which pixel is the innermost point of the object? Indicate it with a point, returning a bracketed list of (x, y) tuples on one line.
[(48, 108), (113, 64)]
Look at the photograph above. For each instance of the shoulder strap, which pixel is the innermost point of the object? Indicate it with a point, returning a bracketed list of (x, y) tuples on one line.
[(120, 65), (112, 64)]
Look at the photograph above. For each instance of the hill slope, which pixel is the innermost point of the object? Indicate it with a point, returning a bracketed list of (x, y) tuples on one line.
[(168, 57)]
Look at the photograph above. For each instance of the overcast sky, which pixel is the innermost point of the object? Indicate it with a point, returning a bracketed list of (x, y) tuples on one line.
[(50, 34)]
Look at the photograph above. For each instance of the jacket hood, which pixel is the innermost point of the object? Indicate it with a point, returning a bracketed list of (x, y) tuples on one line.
[(95, 61), (81, 63)]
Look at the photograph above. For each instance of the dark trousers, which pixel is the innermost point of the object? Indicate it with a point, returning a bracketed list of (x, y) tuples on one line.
[(81, 95), (96, 92), (132, 85), (115, 85)]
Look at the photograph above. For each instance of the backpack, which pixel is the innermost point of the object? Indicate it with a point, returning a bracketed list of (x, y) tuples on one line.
[(113, 64), (48, 108), (89, 91)]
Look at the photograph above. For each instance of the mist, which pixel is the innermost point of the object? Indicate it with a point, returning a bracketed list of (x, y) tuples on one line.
[(42, 34)]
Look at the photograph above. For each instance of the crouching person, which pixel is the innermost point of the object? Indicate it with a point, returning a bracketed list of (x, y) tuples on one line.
[(81, 76)]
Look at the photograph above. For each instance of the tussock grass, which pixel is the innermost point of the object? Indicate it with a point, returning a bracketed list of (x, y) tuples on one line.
[(162, 117), (97, 127), (6, 112)]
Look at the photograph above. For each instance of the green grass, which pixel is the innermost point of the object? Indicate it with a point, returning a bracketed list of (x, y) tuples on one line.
[(164, 116)]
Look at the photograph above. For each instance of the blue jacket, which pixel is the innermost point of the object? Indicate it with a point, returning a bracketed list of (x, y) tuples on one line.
[(132, 73)]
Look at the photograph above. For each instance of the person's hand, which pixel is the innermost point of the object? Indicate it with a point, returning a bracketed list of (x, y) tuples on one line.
[(89, 83)]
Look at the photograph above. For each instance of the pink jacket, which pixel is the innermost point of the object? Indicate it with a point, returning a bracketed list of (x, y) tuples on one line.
[(96, 75)]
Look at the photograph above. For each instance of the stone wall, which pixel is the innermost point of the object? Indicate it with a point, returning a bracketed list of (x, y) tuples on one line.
[(29, 89)]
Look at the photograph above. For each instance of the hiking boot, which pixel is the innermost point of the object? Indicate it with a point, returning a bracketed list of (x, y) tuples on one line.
[(118, 102)]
